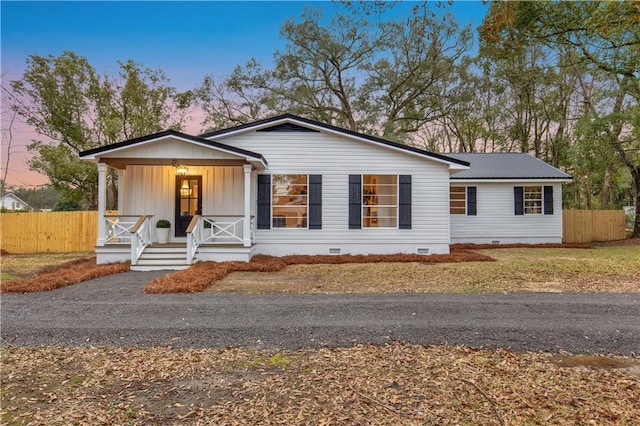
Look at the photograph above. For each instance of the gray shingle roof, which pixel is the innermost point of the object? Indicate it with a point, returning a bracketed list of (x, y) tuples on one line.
[(506, 166)]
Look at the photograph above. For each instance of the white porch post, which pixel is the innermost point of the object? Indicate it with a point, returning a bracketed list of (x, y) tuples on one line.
[(246, 229), (120, 191), (102, 203)]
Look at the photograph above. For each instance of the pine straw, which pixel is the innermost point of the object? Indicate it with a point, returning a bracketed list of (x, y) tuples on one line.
[(68, 273), (361, 385), (201, 275), (470, 246)]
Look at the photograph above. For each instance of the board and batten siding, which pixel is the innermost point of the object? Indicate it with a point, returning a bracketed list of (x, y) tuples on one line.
[(496, 222), (335, 158), (150, 190)]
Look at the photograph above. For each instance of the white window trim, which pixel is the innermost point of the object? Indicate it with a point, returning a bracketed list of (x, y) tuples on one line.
[(524, 200), (363, 205), (274, 206), (466, 208)]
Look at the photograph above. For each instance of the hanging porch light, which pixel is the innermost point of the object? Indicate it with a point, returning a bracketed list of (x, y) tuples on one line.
[(181, 170)]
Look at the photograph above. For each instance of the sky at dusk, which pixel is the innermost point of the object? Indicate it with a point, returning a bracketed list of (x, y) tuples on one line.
[(187, 40)]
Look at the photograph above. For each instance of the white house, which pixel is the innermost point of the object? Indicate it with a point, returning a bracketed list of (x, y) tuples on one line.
[(289, 185), (506, 198), (11, 201)]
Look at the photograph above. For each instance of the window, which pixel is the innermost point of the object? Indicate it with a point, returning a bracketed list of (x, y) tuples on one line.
[(458, 200), (462, 200), (379, 201), (289, 201), (532, 200)]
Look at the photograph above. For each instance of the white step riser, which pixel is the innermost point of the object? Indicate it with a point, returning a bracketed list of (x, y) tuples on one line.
[(152, 249), (146, 255), (162, 262), (158, 267), (158, 264)]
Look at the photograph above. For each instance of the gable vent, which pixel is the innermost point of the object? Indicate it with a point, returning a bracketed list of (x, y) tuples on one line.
[(423, 250), (287, 127), (334, 250)]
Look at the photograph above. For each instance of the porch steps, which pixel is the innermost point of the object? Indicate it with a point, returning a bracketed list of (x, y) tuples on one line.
[(163, 257)]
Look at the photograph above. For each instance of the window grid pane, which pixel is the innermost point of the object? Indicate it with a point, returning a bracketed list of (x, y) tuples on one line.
[(289, 201), (458, 200), (380, 201), (532, 200)]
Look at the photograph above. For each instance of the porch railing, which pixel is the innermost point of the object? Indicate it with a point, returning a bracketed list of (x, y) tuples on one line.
[(128, 229), (214, 230), (140, 237), (119, 228)]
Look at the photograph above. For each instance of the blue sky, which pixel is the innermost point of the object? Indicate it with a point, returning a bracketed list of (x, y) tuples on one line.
[(187, 40)]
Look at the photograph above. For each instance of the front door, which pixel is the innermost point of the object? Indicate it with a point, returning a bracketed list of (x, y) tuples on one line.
[(188, 202)]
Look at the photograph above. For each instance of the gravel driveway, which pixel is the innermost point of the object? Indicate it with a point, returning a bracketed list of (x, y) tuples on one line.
[(114, 311)]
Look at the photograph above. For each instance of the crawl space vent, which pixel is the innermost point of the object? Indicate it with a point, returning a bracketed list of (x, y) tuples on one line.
[(423, 250), (334, 250), (495, 242)]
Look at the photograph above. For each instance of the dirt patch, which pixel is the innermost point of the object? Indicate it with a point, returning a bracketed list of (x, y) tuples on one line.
[(383, 385), (200, 276), (598, 362)]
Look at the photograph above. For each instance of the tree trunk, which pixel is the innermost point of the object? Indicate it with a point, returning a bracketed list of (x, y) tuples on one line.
[(605, 200), (635, 173)]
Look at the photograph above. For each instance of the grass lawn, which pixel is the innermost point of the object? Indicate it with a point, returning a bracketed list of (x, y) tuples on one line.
[(609, 268)]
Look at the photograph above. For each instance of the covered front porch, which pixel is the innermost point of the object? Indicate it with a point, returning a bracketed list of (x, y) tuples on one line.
[(202, 190), (208, 238)]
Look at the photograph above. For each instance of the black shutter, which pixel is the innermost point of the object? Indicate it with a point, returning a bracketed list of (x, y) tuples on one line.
[(548, 200), (355, 201), (518, 195), (472, 205), (315, 201), (404, 202), (264, 201)]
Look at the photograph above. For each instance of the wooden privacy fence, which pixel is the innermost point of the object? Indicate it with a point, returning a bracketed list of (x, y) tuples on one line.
[(584, 226), (53, 232), (65, 232)]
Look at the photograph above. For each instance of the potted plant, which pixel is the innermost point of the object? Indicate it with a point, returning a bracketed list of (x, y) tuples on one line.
[(162, 230)]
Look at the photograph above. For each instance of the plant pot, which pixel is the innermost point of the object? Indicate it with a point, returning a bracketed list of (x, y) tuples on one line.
[(163, 235)]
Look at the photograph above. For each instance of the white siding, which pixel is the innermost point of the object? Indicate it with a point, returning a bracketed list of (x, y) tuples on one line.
[(171, 148), (496, 220), (10, 202), (151, 190), (335, 158)]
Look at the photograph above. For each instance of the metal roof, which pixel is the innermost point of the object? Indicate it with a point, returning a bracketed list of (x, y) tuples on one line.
[(506, 166)]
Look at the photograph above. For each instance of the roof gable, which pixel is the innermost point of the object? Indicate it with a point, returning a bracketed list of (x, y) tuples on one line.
[(295, 122), (506, 166), (136, 146), (12, 196)]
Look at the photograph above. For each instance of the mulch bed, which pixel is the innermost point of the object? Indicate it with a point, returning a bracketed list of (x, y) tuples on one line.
[(68, 273), (201, 275), (468, 246)]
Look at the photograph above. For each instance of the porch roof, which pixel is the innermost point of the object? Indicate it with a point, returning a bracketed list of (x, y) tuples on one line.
[(120, 152)]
